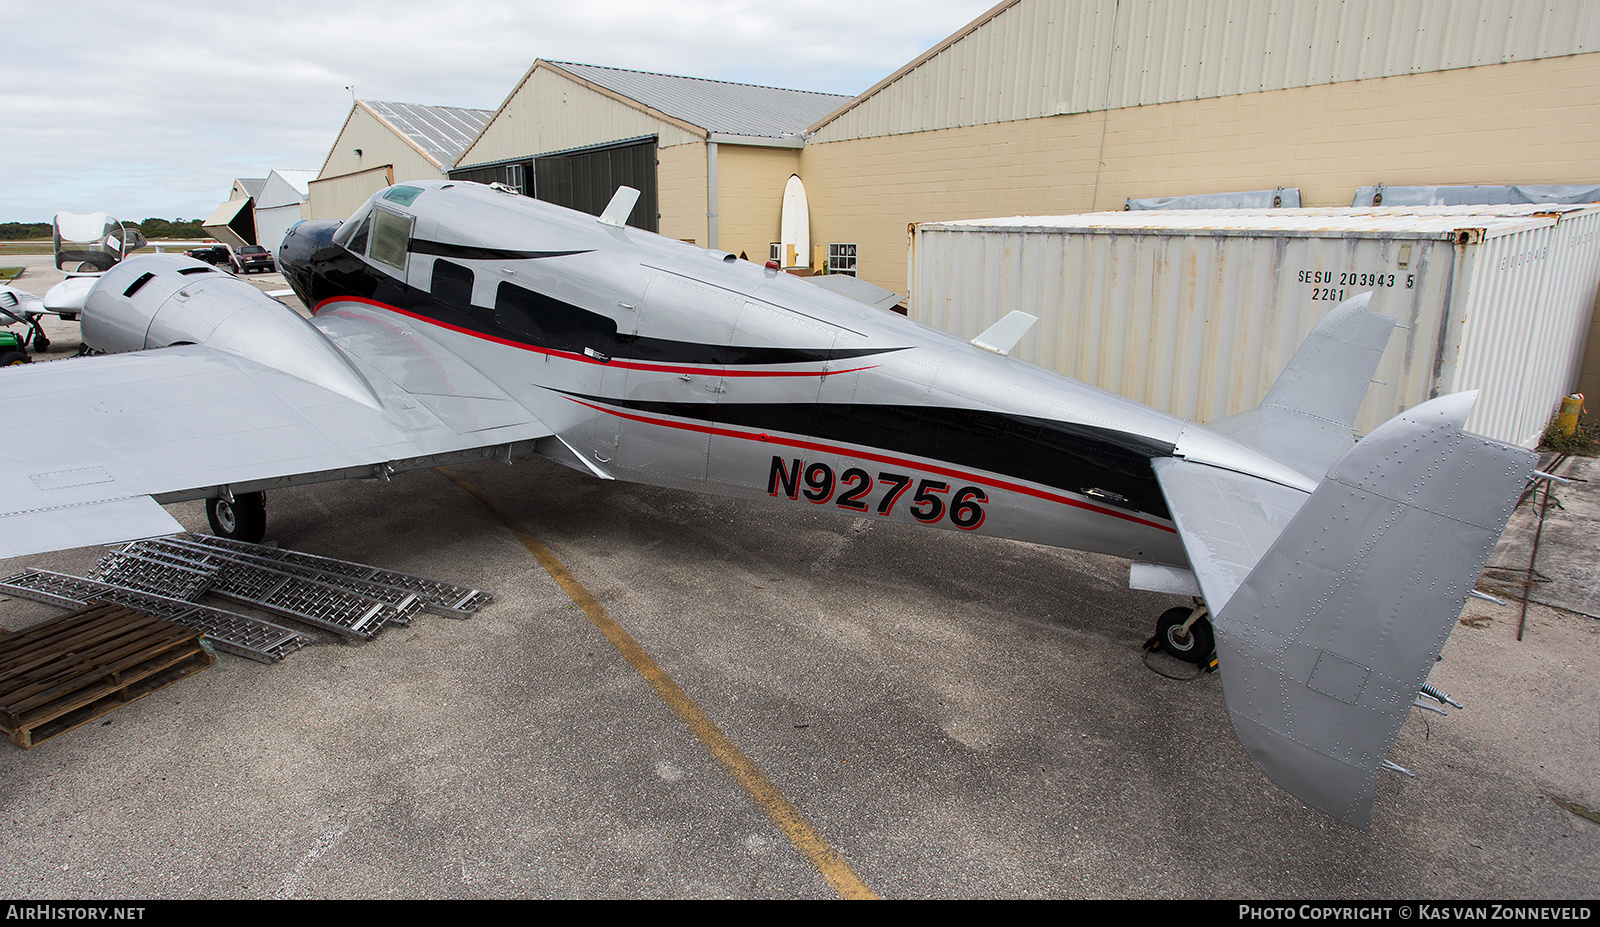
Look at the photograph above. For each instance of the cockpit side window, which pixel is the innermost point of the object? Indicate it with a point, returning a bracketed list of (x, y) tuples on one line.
[(358, 241), (348, 227), (452, 283), (391, 233)]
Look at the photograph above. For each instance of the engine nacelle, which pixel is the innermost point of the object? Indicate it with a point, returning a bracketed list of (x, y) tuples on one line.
[(161, 300)]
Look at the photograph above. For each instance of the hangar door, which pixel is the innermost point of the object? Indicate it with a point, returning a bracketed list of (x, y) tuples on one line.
[(586, 179), (583, 178)]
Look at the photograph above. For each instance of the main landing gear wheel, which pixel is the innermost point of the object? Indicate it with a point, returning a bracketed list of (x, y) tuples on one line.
[(243, 519), (1193, 646)]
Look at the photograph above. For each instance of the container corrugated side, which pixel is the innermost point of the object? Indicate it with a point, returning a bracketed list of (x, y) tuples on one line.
[(1197, 313)]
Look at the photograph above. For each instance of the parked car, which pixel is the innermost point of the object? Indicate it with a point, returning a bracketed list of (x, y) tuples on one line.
[(252, 258), (215, 255)]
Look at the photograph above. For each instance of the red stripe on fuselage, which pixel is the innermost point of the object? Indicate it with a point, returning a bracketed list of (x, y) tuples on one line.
[(724, 432), (584, 358)]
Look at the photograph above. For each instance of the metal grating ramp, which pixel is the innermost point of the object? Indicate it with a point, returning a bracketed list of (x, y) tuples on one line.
[(343, 608), (438, 597), (231, 632)]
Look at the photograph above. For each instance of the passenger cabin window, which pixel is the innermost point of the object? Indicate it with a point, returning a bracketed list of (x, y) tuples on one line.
[(552, 323), (452, 284), (391, 234)]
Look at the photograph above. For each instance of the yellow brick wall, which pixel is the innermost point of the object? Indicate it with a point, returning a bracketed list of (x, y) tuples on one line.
[(750, 183), (681, 191)]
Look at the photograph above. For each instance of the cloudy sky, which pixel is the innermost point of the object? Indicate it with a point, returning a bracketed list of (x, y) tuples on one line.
[(150, 108)]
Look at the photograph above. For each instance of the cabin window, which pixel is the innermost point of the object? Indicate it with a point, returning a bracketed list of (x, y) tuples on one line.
[(391, 234), (552, 323), (452, 283)]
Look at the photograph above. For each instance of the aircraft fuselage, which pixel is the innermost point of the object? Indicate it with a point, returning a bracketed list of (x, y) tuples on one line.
[(658, 362)]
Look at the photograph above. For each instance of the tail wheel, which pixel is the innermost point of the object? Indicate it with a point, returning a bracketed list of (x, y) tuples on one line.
[(1194, 646), (243, 519)]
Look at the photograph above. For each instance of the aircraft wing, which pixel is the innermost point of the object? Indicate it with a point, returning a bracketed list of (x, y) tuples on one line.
[(94, 442)]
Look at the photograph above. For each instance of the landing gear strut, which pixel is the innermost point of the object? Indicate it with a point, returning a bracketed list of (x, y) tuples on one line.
[(244, 518), (1185, 633)]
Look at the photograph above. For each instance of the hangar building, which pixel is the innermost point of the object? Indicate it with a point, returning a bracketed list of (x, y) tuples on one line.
[(710, 158), (234, 222), (1069, 106), (383, 143)]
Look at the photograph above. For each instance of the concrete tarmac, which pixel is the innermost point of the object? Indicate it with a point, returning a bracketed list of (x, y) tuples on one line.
[(956, 716)]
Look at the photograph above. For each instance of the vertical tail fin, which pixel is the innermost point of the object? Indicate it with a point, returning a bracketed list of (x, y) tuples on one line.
[(1306, 419), (1327, 641)]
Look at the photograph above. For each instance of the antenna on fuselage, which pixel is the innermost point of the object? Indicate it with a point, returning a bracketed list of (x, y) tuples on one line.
[(620, 207)]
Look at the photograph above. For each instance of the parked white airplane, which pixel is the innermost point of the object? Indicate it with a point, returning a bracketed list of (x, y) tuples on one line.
[(455, 321), (92, 244)]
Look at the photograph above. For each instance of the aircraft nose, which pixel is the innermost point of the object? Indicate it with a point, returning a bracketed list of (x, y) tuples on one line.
[(298, 255)]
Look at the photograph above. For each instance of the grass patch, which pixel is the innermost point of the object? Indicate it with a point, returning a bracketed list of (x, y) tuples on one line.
[(10, 273), (48, 247), (1581, 443), (1577, 809)]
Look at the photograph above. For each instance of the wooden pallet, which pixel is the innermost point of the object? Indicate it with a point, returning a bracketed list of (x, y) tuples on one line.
[(66, 672)]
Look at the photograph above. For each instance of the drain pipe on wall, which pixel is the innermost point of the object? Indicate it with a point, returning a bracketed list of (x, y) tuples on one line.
[(711, 194)]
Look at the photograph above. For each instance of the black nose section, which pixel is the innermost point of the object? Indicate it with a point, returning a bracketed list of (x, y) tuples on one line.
[(298, 255)]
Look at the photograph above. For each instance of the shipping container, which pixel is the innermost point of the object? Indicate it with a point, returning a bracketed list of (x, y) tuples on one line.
[(1196, 312)]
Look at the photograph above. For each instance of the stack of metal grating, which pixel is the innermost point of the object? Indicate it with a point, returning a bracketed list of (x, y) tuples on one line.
[(165, 577)]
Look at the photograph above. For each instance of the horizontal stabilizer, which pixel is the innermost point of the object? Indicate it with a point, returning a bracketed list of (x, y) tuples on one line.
[(1306, 418), (1226, 519), (1325, 645)]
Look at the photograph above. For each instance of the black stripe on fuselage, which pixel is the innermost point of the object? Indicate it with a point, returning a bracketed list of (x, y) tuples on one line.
[(475, 253), (542, 321), (1064, 455)]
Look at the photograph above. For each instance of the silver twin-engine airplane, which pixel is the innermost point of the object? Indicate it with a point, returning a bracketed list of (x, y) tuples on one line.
[(455, 321)]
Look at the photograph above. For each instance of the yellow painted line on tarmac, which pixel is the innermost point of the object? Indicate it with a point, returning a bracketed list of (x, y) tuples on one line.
[(782, 812)]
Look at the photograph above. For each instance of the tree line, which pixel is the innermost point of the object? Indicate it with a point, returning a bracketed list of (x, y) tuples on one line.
[(150, 228)]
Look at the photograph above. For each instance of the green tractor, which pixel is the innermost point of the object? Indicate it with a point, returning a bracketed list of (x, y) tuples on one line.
[(13, 350), (13, 347)]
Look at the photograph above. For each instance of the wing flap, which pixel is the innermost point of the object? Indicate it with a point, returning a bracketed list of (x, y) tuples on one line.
[(103, 522)]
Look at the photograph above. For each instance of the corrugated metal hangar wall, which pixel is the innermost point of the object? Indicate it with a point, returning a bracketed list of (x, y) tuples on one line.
[(1068, 106)]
